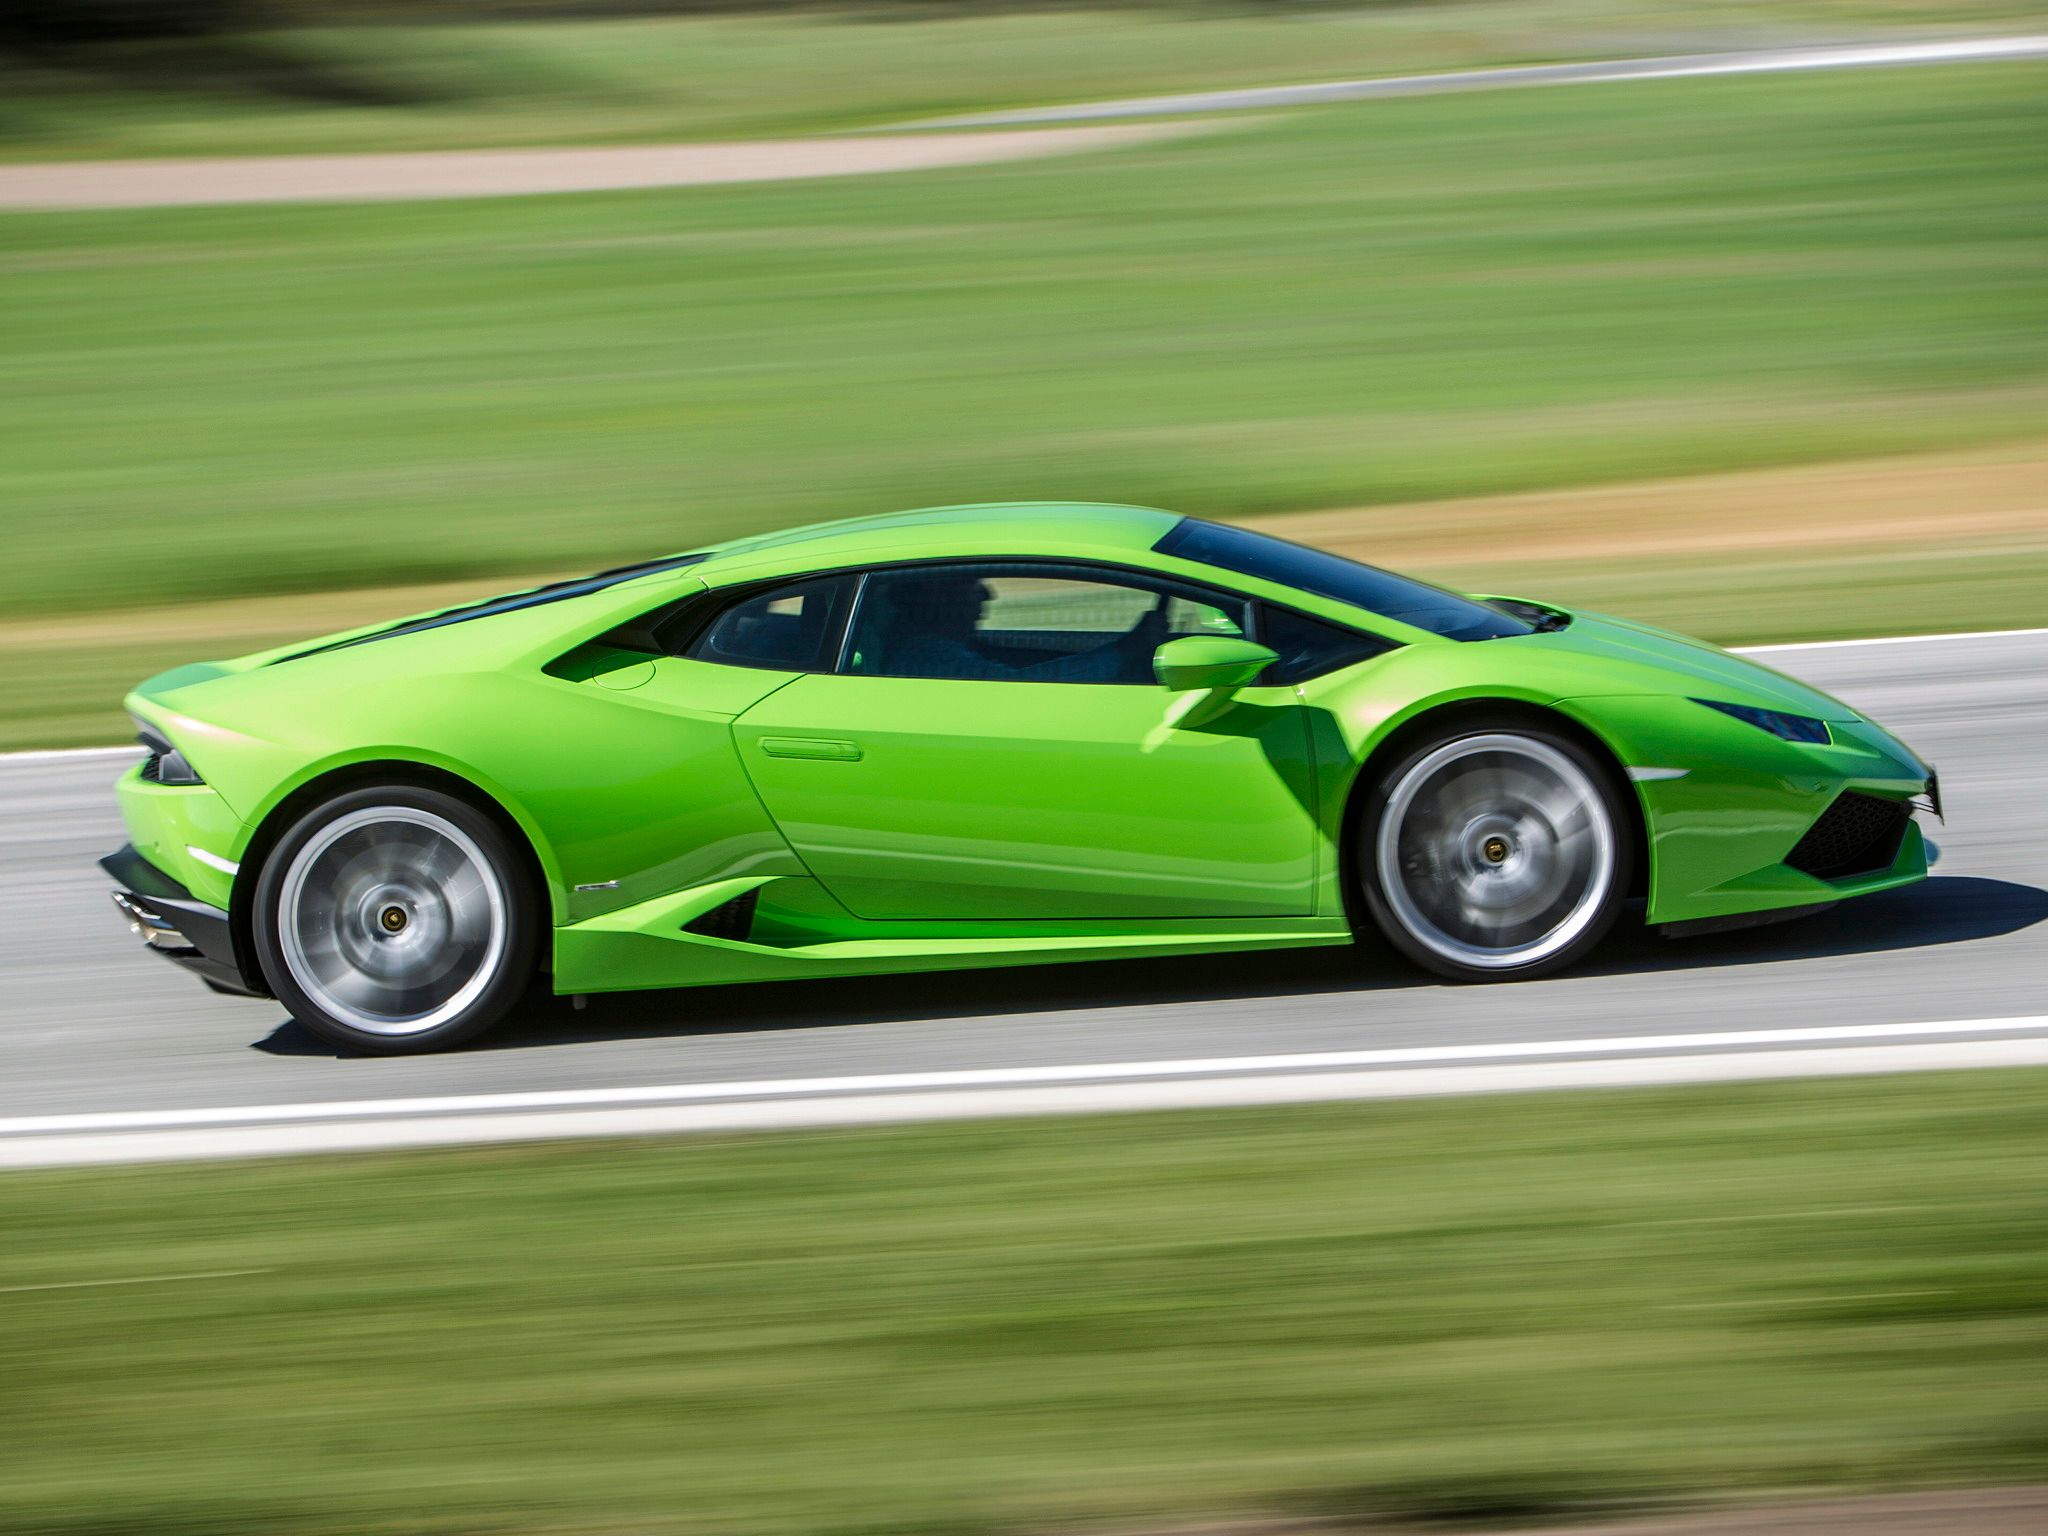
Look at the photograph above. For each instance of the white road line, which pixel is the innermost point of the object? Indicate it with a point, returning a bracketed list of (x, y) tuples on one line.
[(982, 1079), (52, 754), (85, 1285), (1830, 645), (1064, 1099), (1588, 72), (58, 754)]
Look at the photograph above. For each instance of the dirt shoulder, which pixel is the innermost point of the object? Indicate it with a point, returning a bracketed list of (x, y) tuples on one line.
[(1997, 498), (522, 172), (1994, 496)]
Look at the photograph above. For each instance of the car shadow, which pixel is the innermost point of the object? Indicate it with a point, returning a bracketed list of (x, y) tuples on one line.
[(1939, 911), (1943, 909)]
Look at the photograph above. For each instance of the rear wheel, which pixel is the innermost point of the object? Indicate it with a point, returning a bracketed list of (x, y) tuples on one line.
[(1495, 853), (393, 920)]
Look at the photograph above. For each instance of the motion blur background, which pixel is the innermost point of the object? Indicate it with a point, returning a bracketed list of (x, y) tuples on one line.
[(1760, 357)]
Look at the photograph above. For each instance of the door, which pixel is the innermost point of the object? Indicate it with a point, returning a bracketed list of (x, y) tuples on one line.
[(994, 746)]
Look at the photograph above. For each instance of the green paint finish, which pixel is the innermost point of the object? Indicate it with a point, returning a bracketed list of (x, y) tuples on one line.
[(996, 801), (914, 822), (168, 821), (1718, 836), (1210, 661)]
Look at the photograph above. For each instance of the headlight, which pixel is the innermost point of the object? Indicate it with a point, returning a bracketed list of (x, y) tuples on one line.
[(165, 764), (1785, 727)]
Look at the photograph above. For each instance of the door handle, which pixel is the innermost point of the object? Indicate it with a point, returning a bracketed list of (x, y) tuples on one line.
[(824, 749)]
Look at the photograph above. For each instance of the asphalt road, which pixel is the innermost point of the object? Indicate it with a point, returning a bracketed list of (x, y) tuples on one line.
[(93, 1025)]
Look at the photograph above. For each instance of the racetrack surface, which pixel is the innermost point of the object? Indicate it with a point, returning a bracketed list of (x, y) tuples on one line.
[(96, 1026)]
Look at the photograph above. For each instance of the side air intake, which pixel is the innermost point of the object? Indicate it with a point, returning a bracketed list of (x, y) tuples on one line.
[(729, 919)]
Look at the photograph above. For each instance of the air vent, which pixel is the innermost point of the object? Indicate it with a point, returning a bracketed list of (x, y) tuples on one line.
[(1857, 835), (728, 920)]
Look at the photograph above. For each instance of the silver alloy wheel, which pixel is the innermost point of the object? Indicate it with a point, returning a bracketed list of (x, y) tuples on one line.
[(1495, 851), (392, 919)]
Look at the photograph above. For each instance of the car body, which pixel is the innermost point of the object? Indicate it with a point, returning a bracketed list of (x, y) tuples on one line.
[(938, 739)]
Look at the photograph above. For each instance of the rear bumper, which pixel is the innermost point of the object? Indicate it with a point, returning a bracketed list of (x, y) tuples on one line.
[(176, 924)]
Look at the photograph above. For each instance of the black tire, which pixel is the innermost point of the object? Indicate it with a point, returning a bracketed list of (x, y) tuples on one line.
[(1495, 852), (396, 920)]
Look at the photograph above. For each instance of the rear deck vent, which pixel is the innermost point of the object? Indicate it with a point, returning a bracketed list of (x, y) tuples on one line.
[(1857, 835), (729, 919)]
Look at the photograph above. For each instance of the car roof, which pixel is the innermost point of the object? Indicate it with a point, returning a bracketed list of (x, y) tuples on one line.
[(1016, 528)]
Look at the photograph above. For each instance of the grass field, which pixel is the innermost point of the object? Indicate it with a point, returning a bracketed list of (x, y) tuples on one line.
[(1387, 304), (1121, 1322), (459, 74)]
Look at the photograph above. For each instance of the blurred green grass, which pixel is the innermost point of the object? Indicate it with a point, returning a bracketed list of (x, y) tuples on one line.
[(1054, 1324), (355, 77), (1394, 302), (1391, 302)]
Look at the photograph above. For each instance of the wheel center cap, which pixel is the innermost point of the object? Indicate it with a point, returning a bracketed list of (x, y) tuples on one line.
[(393, 919)]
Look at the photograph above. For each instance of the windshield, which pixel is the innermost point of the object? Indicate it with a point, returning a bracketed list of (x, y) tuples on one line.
[(1363, 586)]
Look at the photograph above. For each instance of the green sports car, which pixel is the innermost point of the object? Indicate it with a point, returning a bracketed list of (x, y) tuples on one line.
[(972, 736)]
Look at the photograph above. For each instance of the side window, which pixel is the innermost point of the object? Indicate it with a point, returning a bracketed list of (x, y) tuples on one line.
[(1001, 622), (792, 628), (1309, 647)]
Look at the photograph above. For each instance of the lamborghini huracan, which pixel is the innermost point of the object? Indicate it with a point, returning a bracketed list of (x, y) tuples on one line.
[(972, 736)]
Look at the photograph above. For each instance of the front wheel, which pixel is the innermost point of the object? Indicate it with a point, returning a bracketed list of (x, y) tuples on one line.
[(1494, 853), (395, 920)]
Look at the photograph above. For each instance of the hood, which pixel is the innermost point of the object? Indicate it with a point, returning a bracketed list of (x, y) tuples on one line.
[(1707, 671)]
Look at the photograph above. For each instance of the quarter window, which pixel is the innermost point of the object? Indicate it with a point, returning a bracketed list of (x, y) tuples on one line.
[(1001, 622), (791, 628)]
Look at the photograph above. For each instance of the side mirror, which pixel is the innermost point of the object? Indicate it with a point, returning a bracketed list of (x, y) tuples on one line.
[(1214, 662)]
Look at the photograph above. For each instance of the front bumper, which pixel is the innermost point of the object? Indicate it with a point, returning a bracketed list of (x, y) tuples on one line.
[(176, 924), (1730, 809)]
